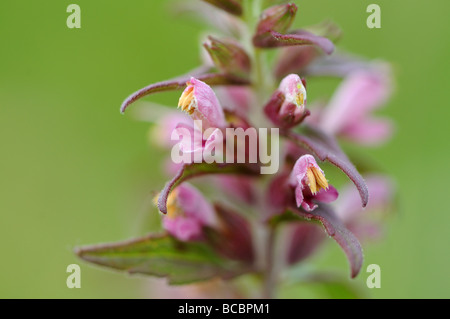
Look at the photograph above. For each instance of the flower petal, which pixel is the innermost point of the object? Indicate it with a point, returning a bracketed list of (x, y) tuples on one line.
[(195, 206), (327, 195), (360, 93), (369, 131), (183, 228)]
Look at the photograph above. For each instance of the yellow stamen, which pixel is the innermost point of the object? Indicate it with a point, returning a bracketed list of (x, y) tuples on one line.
[(316, 179), (173, 209), (300, 99), (187, 101)]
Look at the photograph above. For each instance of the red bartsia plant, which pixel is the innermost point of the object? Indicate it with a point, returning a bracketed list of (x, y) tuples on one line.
[(237, 233)]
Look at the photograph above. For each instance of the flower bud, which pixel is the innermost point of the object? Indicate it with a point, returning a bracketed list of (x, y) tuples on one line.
[(287, 106), (228, 56), (277, 18), (230, 6)]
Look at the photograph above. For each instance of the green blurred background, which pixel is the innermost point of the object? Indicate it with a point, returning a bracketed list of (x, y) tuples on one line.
[(74, 171)]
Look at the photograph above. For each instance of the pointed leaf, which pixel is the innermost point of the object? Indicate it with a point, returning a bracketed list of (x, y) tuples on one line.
[(334, 228), (198, 169), (162, 256), (326, 148), (180, 84), (302, 37)]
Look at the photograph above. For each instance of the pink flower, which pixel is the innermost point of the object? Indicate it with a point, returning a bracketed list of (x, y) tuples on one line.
[(286, 107), (348, 113), (200, 102), (187, 213), (310, 184), (295, 96)]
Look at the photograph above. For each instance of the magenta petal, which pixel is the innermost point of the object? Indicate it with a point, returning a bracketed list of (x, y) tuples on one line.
[(369, 131), (299, 198), (308, 205), (360, 93), (381, 191), (327, 196), (303, 38), (185, 229), (334, 228), (326, 149), (195, 206)]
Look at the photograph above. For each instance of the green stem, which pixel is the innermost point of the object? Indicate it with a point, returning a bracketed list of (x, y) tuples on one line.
[(270, 274), (262, 86)]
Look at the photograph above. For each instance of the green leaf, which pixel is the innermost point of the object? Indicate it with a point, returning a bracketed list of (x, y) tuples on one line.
[(162, 256)]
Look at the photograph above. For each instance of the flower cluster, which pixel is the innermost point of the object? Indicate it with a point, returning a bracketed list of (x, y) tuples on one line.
[(237, 88)]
